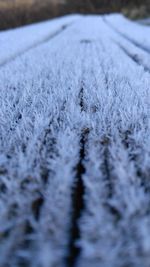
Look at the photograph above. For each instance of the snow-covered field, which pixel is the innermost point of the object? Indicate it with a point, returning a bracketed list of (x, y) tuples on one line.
[(75, 144)]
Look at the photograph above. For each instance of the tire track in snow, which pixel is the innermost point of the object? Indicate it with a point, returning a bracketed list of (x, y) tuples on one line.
[(140, 57), (142, 47), (33, 46), (133, 57)]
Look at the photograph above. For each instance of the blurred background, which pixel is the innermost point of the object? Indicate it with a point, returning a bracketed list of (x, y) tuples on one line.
[(14, 13)]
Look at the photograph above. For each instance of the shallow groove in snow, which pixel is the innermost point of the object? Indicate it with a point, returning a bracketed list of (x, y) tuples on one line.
[(33, 46), (134, 42), (134, 57)]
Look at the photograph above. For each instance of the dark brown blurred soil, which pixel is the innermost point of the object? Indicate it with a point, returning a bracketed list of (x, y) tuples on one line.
[(14, 13)]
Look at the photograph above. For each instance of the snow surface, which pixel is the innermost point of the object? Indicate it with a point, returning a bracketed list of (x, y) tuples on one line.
[(18, 41), (75, 121), (136, 33)]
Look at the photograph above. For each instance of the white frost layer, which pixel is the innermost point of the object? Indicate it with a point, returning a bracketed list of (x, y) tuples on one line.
[(139, 34), (80, 81), (17, 41)]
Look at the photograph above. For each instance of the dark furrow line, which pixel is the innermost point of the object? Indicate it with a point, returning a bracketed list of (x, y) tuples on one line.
[(110, 181), (142, 47), (45, 40), (81, 99), (142, 176), (106, 167), (36, 206), (77, 197), (28, 230), (78, 205), (133, 57), (49, 142)]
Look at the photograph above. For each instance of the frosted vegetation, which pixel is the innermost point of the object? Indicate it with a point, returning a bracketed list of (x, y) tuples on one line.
[(75, 144), (15, 42)]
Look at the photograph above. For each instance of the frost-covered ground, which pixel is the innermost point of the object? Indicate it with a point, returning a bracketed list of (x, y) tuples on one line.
[(75, 144), (144, 21), (16, 42)]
